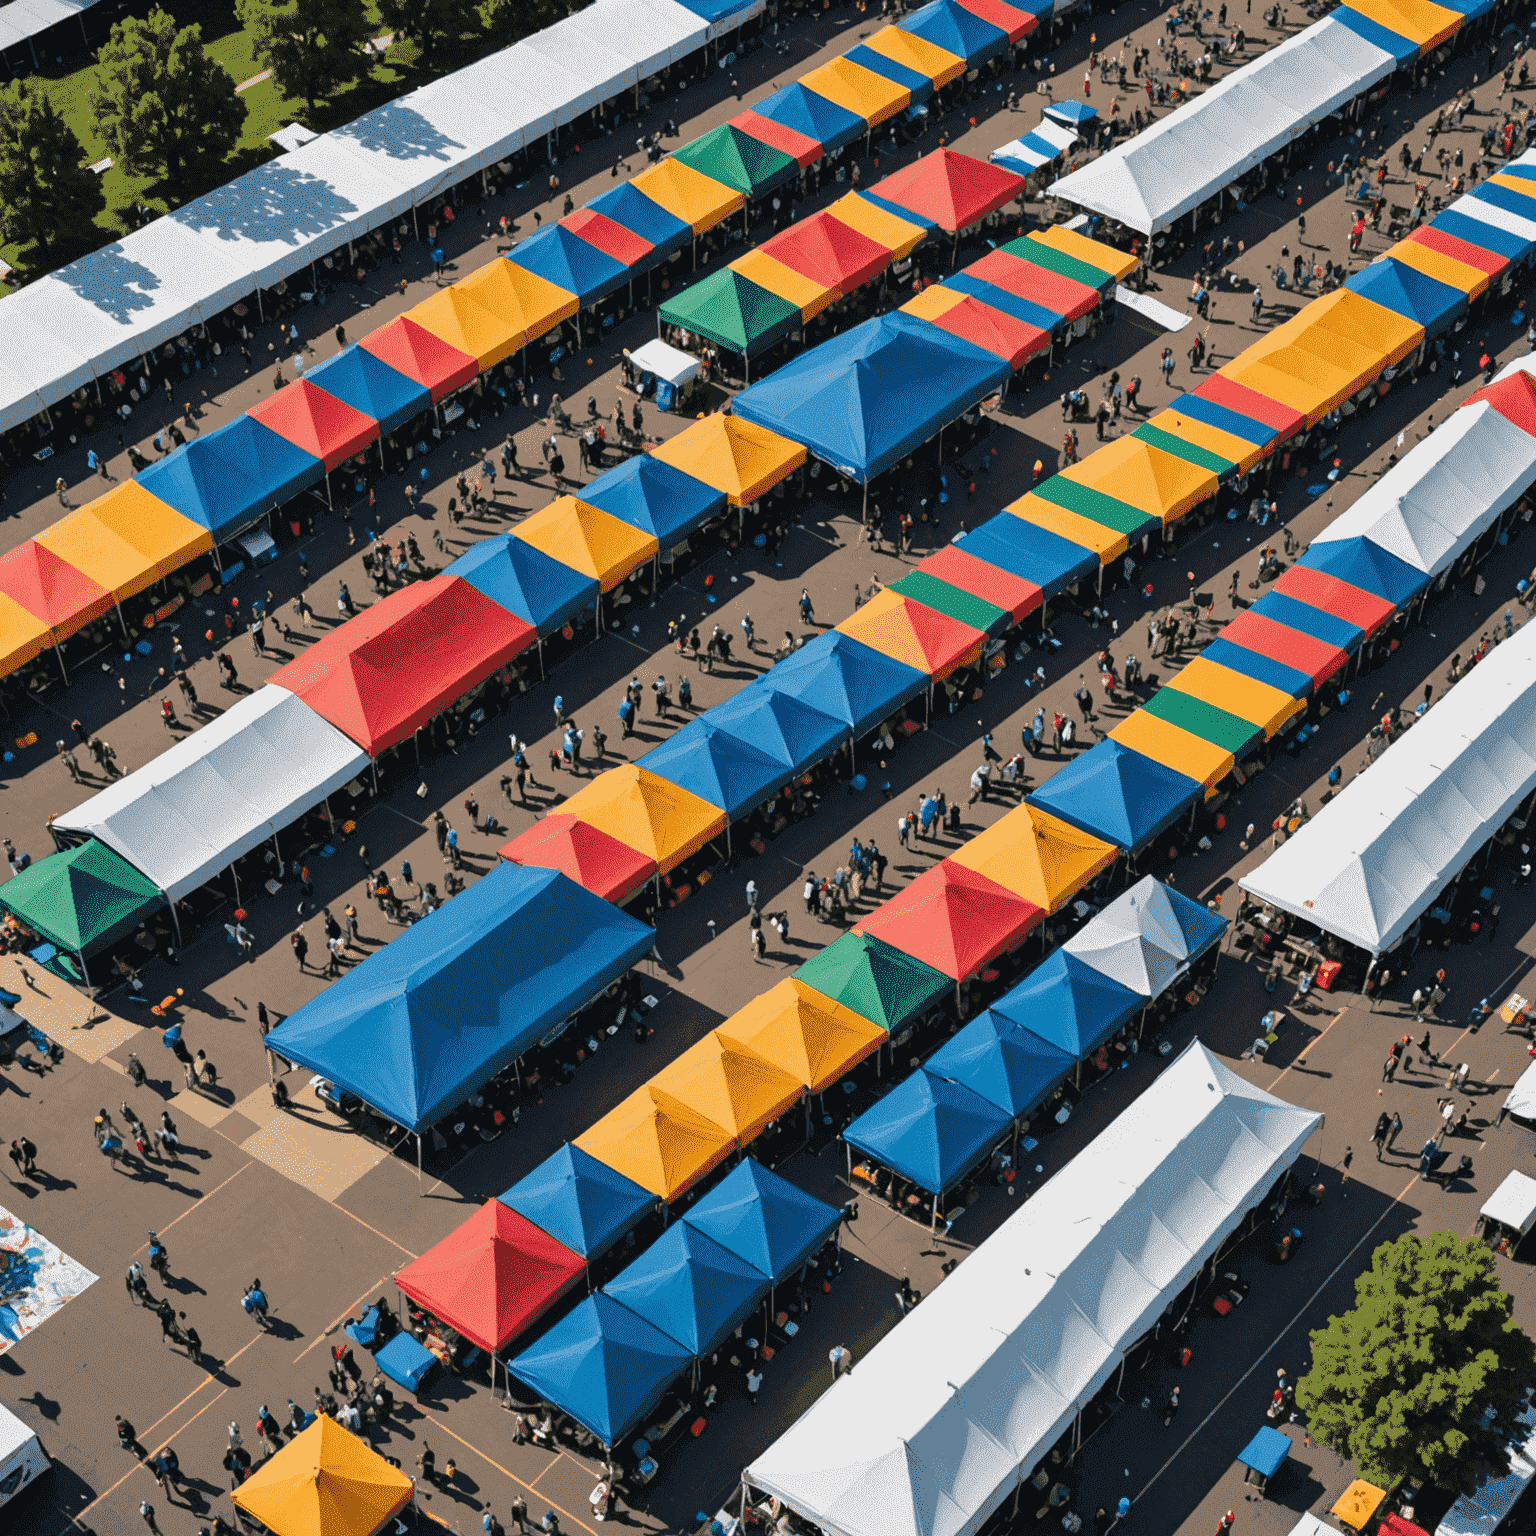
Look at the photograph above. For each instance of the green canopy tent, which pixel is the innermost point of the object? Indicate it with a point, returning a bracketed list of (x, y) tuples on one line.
[(81, 900), (737, 160), (733, 312), (874, 979)]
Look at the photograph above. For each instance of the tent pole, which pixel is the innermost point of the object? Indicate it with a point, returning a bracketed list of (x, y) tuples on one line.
[(933, 1224), (234, 875), (375, 766), (418, 1161), (381, 453), (848, 1148), (260, 312), (85, 975), (176, 924), (541, 658), (120, 619), (729, 852), (58, 651)]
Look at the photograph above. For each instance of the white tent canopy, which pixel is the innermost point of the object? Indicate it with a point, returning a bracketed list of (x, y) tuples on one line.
[(955, 1406), (1520, 1101), (1136, 940), (1150, 181), (1377, 856), (1484, 1512), (666, 362), (1513, 1203), (191, 812), (23, 20)]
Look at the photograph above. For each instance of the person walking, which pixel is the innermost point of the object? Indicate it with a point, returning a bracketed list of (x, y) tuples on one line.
[(1394, 1130), (1379, 1135), (147, 1515), (519, 1513), (754, 1383)]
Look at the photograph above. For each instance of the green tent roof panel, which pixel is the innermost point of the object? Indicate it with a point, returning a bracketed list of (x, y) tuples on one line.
[(955, 602), (1191, 453), (733, 312), (874, 979), (1047, 256), (1204, 720), (82, 899), (1098, 508), (737, 160)]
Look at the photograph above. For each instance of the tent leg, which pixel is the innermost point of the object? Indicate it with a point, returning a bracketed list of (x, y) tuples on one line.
[(1365, 986), (418, 1162), (541, 659), (120, 619), (176, 924), (382, 470), (933, 1224), (729, 851), (85, 975), (234, 875), (260, 312), (58, 651), (848, 1148)]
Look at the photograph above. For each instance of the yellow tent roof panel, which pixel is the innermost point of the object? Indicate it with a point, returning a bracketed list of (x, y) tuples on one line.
[(1037, 856), (1200, 434), (731, 1084), (1173, 746), (645, 812), (933, 302), (858, 90), (896, 234), (1419, 21), (1106, 542), (1092, 252), (736, 457), (454, 316), (1444, 269), (325, 1482), (657, 1140), (523, 299), (126, 540), (1247, 698), (588, 540), (1144, 477), (688, 194), (809, 296), (22, 637), (907, 48), (809, 1036)]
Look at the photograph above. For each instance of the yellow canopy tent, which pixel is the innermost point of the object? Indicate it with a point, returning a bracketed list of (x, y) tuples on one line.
[(689, 195), (588, 540), (736, 457), (1247, 698), (646, 813), (658, 1141), (1418, 20), (1199, 434), (1144, 477), (809, 296), (454, 316), (917, 53), (1173, 747), (809, 1036), (22, 637), (1093, 252), (882, 226), (325, 1482), (1444, 269), (126, 540), (731, 1084), (1358, 1503), (858, 90), (1034, 855), (1107, 543), (521, 298)]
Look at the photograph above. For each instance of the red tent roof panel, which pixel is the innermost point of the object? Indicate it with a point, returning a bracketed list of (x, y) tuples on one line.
[(1005, 336), (988, 582), (1513, 398), (1024, 280), (952, 189), (410, 349), (800, 147), (51, 589), (1285, 419), (1006, 18), (1343, 599), (609, 236), (493, 1277), (590, 857), (829, 252), (1457, 249), (1316, 658), (316, 421), (385, 673)]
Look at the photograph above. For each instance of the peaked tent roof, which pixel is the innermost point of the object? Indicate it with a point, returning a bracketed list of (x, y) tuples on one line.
[(81, 898), (369, 385), (829, 251), (648, 813), (126, 540), (1013, 544), (1117, 794), (800, 147), (538, 588), (596, 860), (492, 1277), (52, 590), (383, 674), (814, 116), (658, 1141), (925, 638), (655, 498), (735, 159), (804, 1033), (784, 728), (569, 264), (595, 543), (22, 637), (764, 1220), (841, 677), (867, 95), (611, 238), (876, 981), (1007, 1066), (325, 1482), (647, 218), (929, 60), (455, 998), (1367, 566), (1037, 856), (732, 1084), (717, 766), (733, 455), (970, 318), (323, 426), (1015, 21), (698, 200), (734, 311), (901, 236), (951, 189), (958, 30), (520, 297), (930, 1130), (991, 583), (579, 1201), (1068, 1004), (806, 294), (953, 601), (411, 349), (458, 319), (1146, 937)]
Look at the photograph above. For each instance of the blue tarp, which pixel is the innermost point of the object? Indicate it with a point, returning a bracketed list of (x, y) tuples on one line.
[(368, 384), (1262, 669), (1408, 292), (959, 31), (853, 400), (421, 1024), (1118, 794), (764, 1220), (1367, 565), (1068, 1004), (1010, 303), (817, 118), (406, 1361), (787, 729), (526, 581), (1038, 555), (1401, 48), (865, 57), (690, 1287), (579, 1201), (638, 214), (656, 498), (929, 1130), (850, 681), (1003, 1064), (1303, 617), (230, 478), (1249, 428), (719, 768), (603, 1366), (569, 262), (1488, 237)]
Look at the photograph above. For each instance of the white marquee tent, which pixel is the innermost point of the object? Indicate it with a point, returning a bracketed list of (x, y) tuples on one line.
[(22, 20), (1150, 181), (1377, 856), (947, 1415), (191, 812)]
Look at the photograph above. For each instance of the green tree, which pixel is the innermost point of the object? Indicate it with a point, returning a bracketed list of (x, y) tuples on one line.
[(312, 47), (1424, 1377), (430, 22), (160, 102), (49, 196), (509, 20)]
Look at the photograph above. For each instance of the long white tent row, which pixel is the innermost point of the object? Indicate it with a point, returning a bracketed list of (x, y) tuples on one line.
[(944, 1419), (1151, 181), (79, 323), (1377, 856), (187, 815)]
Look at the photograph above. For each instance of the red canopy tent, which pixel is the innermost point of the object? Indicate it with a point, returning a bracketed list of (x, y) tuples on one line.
[(1305, 653), (592, 858), (1006, 18), (1024, 280), (51, 589), (951, 189), (492, 1277), (1514, 398), (800, 147), (1343, 599), (419, 355), (988, 582), (953, 919), (385, 673), (609, 236), (1005, 336), (317, 422), (1285, 419), (829, 252)]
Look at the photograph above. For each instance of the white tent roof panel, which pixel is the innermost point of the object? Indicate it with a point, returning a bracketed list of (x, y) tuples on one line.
[(1521, 1099), (48, 363), (1514, 1202), (204, 278), (656, 32), (191, 812), (546, 79), (1491, 213), (590, 58), (1136, 940)]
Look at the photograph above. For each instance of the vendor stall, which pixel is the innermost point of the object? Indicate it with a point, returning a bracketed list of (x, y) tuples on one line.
[(673, 374), (1510, 1211)]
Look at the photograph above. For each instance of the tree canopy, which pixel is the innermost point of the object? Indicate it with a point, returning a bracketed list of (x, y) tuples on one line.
[(430, 22), (1425, 1375), (511, 20), (48, 195), (160, 102), (312, 47)]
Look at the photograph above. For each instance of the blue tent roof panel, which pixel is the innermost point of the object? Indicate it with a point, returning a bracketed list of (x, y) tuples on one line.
[(1038, 555), (579, 1201), (784, 728), (852, 682), (1410, 293), (1118, 794), (959, 31), (368, 384), (817, 118), (1006, 1066), (1365, 564), (1262, 669), (1010, 303), (717, 767), (765, 1220), (648, 219), (865, 57), (929, 1130), (1249, 428), (654, 497), (525, 581), (569, 262), (1317, 622), (1489, 237)]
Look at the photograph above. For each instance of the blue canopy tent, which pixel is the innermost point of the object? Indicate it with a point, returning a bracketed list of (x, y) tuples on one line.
[(1262, 669), (786, 729), (920, 85), (1264, 1455), (1365, 564), (1003, 1064), (717, 767), (1118, 794), (638, 214), (1072, 114), (655, 498), (230, 478), (1038, 555), (929, 1130), (525, 581), (959, 31), (852, 682), (566, 260), (690, 1287), (805, 112), (1068, 1004), (1408, 292), (1010, 303), (852, 400), (764, 1220), (603, 1366), (368, 384), (1249, 428), (579, 1201), (1317, 622), (421, 1024), (1503, 242)]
